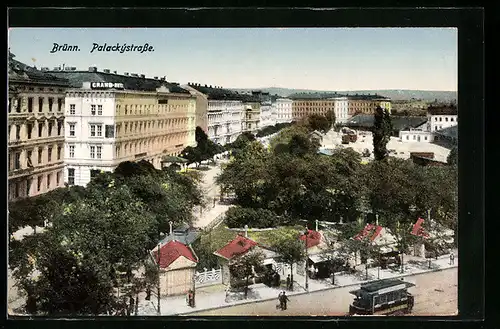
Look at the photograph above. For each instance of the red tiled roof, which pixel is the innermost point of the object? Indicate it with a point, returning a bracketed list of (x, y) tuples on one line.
[(172, 250), (370, 230), (238, 246), (313, 238)]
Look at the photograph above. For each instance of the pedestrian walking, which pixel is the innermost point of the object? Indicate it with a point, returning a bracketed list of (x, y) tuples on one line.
[(288, 282), (452, 258), (215, 199), (280, 301), (285, 299)]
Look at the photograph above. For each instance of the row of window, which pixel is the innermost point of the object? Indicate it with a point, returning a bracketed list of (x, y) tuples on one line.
[(452, 119), (147, 126), (15, 163), (29, 129), (26, 188), (94, 109), (41, 102), (95, 130), (139, 109), (415, 137)]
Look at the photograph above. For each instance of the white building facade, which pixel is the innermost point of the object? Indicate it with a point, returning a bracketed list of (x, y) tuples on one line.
[(283, 110), (89, 134), (416, 135), (438, 122), (437, 119), (225, 120), (341, 109), (266, 118)]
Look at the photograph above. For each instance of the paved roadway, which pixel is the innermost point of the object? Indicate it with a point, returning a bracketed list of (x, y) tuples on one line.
[(435, 294)]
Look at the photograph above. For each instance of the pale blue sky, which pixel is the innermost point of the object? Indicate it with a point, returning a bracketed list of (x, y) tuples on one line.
[(305, 58)]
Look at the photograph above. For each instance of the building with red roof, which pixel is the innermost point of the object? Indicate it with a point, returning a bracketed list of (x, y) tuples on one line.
[(239, 246), (313, 238), (177, 267)]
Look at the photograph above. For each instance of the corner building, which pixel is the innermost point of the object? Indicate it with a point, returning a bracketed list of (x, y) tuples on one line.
[(35, 131), (125, 118)]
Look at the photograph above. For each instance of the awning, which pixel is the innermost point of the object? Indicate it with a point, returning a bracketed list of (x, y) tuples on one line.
[(173, 159), (318, 258), (268, 261)]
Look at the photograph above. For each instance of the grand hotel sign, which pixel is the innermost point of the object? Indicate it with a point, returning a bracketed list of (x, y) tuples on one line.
[(106, 85)]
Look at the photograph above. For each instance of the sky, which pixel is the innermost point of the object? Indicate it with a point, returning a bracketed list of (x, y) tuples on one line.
[(301, 58)]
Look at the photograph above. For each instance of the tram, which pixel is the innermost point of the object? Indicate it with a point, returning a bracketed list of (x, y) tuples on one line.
[(382, 297)]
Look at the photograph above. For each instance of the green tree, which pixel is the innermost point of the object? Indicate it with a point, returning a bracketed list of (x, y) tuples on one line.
[(453, 157), (382, 130), (318, 122), (330, 116), (193, 155), (246, 175), (291, 251), (238, 217), (74, 257), (244, 267)]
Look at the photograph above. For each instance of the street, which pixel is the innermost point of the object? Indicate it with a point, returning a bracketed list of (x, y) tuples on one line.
[(435, 294)]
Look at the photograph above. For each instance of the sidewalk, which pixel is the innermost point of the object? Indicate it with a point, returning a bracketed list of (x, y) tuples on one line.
[(215, 297), (209, 214)]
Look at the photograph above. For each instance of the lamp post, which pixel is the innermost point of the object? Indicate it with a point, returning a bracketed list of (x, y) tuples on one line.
[(306, 233)]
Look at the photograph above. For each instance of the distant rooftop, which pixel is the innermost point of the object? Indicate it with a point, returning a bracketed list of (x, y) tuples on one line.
[(219, 93), (328, 95), (442, 110), (398, 122)]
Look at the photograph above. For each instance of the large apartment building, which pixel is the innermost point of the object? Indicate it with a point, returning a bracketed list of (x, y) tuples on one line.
[(225, 113), (111, 118), (35, 130), (344, 106)]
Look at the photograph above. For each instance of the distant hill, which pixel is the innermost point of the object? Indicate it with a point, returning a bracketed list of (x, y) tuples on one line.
[(395, 94)]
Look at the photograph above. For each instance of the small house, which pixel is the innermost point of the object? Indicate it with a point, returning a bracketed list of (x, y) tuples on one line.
[(177, 263)]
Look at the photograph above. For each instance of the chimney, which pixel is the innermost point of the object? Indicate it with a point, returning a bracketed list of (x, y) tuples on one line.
[(171, 229), (106, 71), (92, 69), (246, 231), (114, 72), (126, 73), (156, 78), (143, 76)]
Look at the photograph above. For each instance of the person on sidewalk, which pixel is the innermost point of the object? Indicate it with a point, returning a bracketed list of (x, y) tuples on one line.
[(452, 258), (288, 282), (280, 300), (285, 299)]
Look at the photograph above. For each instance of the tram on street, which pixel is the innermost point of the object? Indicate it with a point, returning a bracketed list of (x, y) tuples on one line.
[(382, 297)]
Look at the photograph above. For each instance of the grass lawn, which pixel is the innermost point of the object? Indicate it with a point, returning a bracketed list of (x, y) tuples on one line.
[(220, 235)]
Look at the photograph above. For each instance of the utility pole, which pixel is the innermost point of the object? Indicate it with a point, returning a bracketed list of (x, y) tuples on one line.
[(159, 256)]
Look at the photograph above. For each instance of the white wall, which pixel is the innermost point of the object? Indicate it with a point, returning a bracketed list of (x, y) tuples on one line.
[(416, 136), (438, 122), (283, 110), (225, 119), (341, 109), (82, 119)]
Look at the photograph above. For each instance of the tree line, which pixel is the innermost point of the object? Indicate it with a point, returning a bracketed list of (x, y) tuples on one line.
[(296, 183)]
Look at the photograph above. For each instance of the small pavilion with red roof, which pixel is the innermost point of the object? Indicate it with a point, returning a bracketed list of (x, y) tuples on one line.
[(239, 246), (177, 264)]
